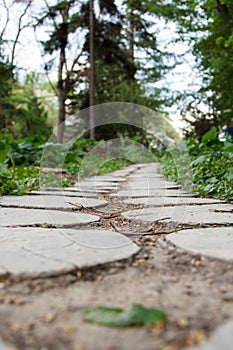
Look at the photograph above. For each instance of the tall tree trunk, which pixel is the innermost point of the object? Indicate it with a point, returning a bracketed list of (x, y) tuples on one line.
[(131, 44), (226, 16), (61, 98), (62, 82), (131, 37), (92, 70)]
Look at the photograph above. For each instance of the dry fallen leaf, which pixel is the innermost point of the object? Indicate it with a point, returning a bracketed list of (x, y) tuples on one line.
[(79, 274), (140, 261), (183, 322), (196, 337), (68, 329)]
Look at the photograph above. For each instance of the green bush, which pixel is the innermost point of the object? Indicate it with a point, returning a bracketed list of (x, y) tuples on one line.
[(21, 161), (211, 163), (18, 180)]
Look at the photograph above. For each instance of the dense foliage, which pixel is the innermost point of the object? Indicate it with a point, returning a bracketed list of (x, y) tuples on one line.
[(27, 164), (211, 166), (207, 25), (21, 111)]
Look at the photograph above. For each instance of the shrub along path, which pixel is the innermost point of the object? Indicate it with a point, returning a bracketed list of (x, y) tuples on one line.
[(125, 238)]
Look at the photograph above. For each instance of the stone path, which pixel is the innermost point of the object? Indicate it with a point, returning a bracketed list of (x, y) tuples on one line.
[(58, 231)]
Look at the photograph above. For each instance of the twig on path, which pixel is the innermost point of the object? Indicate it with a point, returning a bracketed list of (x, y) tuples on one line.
[(130, 232), (162, 219), (77, 206)]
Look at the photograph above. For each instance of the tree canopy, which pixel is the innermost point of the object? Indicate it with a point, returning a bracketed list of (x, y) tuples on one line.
[(117, 58)]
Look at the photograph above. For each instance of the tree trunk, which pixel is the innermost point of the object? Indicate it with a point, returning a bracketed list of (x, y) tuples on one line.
[(61, 98), (131, 38), (92, 71), (222, 8), (62, 82), (61, 115)]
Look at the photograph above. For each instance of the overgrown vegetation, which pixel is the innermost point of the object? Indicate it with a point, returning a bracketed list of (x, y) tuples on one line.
[(211, 164), (28, 163)]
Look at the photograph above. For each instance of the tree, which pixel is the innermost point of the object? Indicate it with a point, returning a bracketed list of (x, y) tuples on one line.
[(92, 68), (198, 122), (118, 54), (208, 26), (22, 21), (118, 72), (30, 117), (6, 86), (21, 112), (64, 20), (110, 59)]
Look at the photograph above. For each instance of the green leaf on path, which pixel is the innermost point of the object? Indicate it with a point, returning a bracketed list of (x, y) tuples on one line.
[(138, 315)]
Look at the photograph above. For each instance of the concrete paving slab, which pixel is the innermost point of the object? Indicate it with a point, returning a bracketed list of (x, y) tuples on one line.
[(150, 184), (25, 217), (50, 202), (151, 180), (5, 346), (221, 339), (213, 242), (73, 189), (165, 201), (96, 184), (137, 193), (190, 214), (67, 193), (38, 251), (124, 171), (91, 191), (105, 190), (143, 175), (152, 168), (153, 165), (107, 178), (148, 170)]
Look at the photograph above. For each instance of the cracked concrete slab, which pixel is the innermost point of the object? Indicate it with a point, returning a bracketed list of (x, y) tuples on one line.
[(146, 171), (96, 184), (162, 201), (143, 175), (151, 185), (40, 251), (190, 214), (66, 193), (137, 193), (124, 171), (50, 202), (78, 190), (26, 217), (213, 242), (107, 178), (221, 339), (151, 180)]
